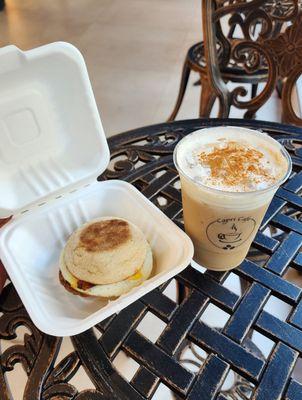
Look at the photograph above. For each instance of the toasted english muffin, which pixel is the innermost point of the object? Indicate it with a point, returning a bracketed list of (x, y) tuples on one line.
[(106, 250), (113, 290)]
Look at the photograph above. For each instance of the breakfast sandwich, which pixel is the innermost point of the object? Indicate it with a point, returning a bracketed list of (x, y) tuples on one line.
[(106, 258)]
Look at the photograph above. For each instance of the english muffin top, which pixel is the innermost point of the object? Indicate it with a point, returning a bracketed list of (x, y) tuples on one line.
[(106, 250), (105, 235)]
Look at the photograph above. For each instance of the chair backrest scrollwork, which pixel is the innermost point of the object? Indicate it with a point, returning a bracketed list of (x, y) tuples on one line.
[(268, 41)]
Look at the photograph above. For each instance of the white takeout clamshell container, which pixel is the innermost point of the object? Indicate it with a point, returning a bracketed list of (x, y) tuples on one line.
[(52, 148)]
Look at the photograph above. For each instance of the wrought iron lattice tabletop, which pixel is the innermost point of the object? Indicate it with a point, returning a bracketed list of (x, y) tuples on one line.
[(190, 358)]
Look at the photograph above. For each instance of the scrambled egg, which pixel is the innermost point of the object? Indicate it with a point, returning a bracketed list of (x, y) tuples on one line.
[(74, 281)]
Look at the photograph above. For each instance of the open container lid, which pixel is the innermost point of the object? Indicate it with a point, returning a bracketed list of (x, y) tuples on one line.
[(52, 141), (51, 135)]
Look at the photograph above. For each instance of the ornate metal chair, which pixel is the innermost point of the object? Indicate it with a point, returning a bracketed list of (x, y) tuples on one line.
[(277, 49), (244, 20)]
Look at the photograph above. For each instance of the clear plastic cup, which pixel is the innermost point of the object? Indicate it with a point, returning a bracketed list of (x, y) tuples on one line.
[(223, 224)]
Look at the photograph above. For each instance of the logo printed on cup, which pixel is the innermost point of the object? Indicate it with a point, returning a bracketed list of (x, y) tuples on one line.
[(229, 233)]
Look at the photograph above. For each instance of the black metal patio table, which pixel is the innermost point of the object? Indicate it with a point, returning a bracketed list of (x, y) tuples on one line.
[(144, 158)]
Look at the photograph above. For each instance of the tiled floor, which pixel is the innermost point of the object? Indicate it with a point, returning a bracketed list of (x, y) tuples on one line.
[(134, 51)]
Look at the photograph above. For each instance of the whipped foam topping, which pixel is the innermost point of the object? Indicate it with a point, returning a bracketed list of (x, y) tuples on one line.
[(232, 159)]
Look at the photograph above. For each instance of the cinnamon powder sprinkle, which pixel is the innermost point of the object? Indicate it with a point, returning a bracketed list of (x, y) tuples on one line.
[(235, 164)]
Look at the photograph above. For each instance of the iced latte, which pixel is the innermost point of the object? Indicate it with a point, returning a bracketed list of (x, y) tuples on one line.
[(228, 178)]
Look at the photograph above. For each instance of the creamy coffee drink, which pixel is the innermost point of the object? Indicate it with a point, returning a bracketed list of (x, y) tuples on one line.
[(228, 178)]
